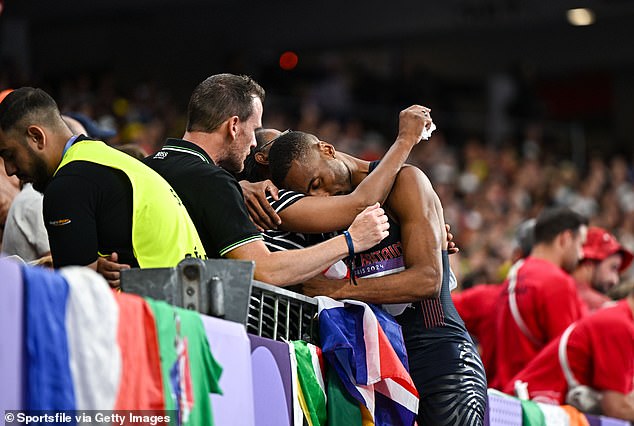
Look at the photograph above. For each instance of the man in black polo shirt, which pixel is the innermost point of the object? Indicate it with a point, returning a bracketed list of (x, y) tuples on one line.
[(224, 112)]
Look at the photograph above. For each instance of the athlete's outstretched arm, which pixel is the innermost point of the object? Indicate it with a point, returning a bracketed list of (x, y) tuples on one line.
[(290, 267), (327, 214), (415, 205)]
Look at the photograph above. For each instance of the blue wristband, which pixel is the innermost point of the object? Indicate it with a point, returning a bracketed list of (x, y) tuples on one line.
[(349, 243)]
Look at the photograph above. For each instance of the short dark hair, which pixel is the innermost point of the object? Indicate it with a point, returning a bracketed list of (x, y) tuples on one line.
[(555, 220), (252, 170), (286, 149), (28, 102), (220, 97)]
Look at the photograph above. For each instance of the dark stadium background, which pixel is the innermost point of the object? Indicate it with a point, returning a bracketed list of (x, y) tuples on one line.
[(445, 52)]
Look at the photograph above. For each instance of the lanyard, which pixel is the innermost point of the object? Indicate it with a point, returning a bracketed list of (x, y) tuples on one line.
[(69, 144)]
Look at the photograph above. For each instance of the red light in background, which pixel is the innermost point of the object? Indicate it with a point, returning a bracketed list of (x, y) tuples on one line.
[(288, 60)]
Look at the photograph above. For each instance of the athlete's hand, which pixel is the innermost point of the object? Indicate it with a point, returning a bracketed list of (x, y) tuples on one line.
[(452, 248), (412, 121), (322, 286), (369, 228), (260, 211), (109, 267)]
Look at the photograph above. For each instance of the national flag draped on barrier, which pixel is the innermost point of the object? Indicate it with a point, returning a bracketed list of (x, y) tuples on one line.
[(311, 392), (532, 415), (205, 371), (80, 355), (91, 349), (370, 364)]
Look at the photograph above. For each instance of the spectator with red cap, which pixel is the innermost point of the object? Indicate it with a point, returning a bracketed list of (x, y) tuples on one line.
[(591, 366), (604, 259)]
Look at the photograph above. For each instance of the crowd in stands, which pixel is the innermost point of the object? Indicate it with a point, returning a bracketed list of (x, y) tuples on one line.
[(486, 190)]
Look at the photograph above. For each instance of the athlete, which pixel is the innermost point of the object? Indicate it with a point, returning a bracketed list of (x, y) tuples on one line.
[(408, 273), (293, 220)]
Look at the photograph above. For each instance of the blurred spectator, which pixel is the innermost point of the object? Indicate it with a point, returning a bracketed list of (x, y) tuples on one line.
[(591, 366), (9, 186), (604, 259), (25, 234), (539, 298), (477, 305), (92, 128), (9, 189)]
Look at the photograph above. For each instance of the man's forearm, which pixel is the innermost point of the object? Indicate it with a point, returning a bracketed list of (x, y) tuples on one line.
[(295, 266), (284, 268)]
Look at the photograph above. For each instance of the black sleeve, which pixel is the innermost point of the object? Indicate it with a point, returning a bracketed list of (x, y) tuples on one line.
[(87, 211), (70, 218), (226, 218)]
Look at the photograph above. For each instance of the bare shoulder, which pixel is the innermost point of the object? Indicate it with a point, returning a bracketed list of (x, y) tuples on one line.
[(412, 173), (412, 184), (414, 200)]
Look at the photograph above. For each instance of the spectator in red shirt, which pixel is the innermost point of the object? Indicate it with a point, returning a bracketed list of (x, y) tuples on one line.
[(539, 298), (599, 352), (604, 259), (477, 305)]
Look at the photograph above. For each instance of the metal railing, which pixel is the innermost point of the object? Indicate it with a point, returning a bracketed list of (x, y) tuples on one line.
[(225, 289), (280, 314)]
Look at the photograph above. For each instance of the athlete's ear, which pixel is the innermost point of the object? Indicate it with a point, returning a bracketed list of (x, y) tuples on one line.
[(36, 135), (327, 149), (262, 158)]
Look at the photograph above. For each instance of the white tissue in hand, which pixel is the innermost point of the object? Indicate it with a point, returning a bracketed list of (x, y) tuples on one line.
[(427, 132)]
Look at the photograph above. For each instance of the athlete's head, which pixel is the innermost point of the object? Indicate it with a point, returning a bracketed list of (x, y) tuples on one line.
[(31, 127), (566, 230), (234, 101), (256, 165), (301, 162), (605, 257)]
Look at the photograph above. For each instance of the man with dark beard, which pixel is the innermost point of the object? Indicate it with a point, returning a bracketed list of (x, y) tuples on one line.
[(96, 198), (604, 260)]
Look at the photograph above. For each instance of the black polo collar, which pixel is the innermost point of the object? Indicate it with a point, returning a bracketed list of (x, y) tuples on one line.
[(186, 147)]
